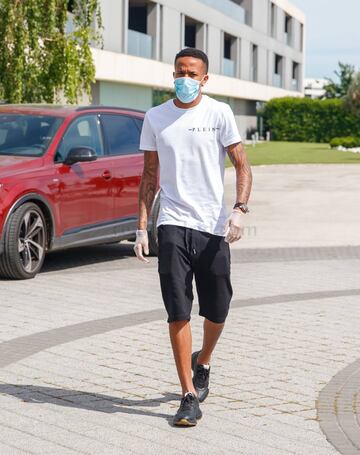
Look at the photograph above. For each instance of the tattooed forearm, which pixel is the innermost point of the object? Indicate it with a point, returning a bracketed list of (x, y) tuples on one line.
[(239, 159), (147, 187)]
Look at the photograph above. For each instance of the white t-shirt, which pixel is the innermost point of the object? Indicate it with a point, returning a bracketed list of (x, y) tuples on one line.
[(191, 148)]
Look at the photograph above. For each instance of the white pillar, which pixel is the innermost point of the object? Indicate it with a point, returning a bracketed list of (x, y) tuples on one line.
[(153, 28), (236, 55), (182, 30), (125, 25)]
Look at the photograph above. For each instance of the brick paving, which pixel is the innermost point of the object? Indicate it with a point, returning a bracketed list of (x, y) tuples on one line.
[(86, 365)]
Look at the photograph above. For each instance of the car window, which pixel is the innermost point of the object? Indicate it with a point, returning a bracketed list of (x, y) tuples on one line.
[(26, 135), (83, 132), (122, 134), (139, 123)]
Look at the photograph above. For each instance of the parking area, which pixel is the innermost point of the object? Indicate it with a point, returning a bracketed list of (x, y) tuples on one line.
[(86, 365)]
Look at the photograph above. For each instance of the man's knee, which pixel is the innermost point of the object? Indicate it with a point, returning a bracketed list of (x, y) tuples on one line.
[(178, 320), (220, 321)]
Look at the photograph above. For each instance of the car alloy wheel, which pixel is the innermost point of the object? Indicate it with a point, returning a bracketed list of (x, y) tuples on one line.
[(31, 242)]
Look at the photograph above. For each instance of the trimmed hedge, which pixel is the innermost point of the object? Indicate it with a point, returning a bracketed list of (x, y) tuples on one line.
[(308, 120), (347, 142)]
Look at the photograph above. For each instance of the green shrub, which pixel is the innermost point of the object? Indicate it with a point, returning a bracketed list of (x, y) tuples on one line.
[(347, 142), (336, 142), (308, 120)]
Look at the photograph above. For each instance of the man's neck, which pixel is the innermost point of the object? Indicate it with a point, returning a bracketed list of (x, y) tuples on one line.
[(193, 103)]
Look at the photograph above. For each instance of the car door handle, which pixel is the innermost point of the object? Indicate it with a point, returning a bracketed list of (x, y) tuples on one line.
[(107, 175)]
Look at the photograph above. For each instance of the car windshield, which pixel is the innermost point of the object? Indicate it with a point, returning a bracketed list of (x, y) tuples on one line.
[(25, 134)]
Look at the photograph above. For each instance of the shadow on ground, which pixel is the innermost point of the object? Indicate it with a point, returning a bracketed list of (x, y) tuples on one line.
[(87, 255), (86, 400)]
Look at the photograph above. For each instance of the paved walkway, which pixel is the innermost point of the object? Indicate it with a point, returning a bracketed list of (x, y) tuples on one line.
[(86, 366)]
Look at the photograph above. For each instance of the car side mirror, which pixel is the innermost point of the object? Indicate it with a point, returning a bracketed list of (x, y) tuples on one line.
[(80, 154)]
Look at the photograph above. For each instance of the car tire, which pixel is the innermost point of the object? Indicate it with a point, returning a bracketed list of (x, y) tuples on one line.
[(25, 240), (152, 232)]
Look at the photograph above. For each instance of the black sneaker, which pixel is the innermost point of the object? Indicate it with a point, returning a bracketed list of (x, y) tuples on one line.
[(188, 412), (200, 378)]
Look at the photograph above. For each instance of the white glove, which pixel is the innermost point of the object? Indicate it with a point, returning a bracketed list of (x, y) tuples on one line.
[(233, 227), (141, 244)]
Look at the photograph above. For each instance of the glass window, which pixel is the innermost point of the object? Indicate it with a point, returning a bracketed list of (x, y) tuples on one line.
[(122, 134), (26, 135), (139, 122), (83, 132)]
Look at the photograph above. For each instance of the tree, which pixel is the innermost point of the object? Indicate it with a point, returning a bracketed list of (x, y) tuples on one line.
[(339, 89), (352, 99), (39, 60)]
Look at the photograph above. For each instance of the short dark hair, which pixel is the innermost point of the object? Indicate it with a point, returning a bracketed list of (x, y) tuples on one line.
[(193, 52)]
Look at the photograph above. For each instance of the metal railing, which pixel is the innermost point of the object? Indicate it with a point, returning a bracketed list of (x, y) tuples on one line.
[(253, 73), (277, 80), (228, 8), (288, 38), (139, 44), (294, 84)]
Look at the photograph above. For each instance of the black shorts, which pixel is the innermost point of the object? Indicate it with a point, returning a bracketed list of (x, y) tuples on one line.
[(183, 253)]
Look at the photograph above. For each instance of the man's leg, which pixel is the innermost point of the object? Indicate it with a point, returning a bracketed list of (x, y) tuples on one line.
[(176, 286), (181, 341), (176, 276), (212, 332), (212, 276)]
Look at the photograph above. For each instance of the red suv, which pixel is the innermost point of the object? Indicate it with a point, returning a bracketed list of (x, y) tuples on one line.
[(69, 176)]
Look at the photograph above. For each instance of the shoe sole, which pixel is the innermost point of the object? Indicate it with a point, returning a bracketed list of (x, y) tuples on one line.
[(193, 364), (187, 423)]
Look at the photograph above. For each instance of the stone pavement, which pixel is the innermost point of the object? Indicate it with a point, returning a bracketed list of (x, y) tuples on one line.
[(86, 365), (302, 205)]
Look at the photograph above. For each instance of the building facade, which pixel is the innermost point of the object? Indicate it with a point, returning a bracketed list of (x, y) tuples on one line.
[(255, 50)]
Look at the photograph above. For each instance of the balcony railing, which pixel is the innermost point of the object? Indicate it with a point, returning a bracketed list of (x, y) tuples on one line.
[(294, 84), (139, 44), (227, 7), (228, 67), (253, 73), (277, 80), (288, 38)]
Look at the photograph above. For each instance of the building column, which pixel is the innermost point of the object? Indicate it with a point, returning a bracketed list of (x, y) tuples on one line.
[(112, 17), (270, 67), (287, 73), (222, 37), (201, 37), (125, 25), (245, 60), (236, 53), (247, 5), (280, 25), (154, 28), (182, 30), (214, 49)]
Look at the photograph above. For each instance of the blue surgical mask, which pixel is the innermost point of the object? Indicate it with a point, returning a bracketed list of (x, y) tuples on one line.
[(186, 88)]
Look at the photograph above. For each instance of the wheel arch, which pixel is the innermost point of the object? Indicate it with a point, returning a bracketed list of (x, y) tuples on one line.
[(44, 205)]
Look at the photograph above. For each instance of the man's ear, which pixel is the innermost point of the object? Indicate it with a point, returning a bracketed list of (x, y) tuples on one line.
[(206, 77)]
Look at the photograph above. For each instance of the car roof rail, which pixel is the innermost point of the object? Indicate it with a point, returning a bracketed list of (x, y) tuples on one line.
[(101, 106)]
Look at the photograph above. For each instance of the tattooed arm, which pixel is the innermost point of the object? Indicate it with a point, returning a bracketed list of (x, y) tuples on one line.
[(239, 159), (147, 187)]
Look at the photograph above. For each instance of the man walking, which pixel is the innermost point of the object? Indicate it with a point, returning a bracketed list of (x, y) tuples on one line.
[(187, 138)]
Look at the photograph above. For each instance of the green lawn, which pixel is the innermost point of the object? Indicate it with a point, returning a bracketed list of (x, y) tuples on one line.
[(295, 153)]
